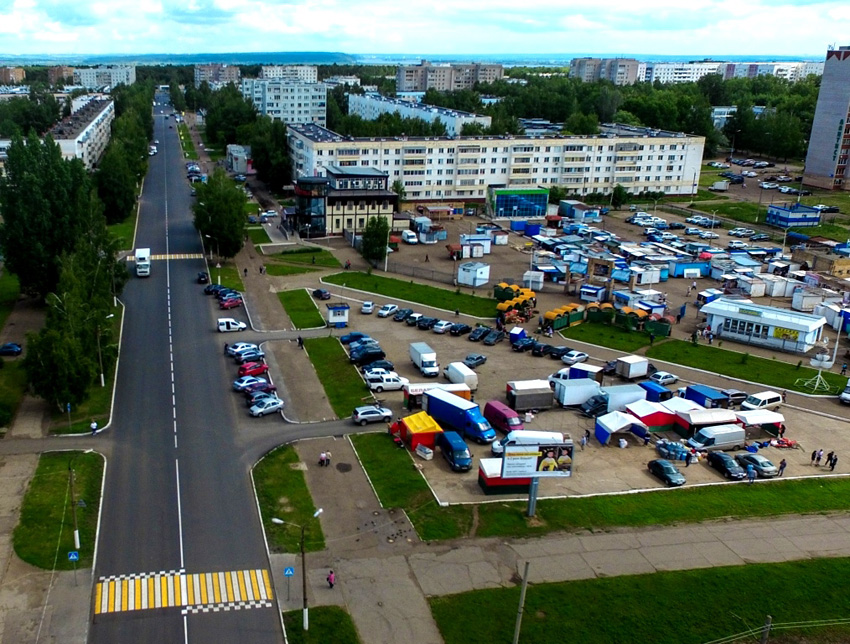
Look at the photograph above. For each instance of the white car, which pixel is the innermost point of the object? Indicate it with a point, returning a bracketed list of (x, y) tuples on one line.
[(226, 325), (749, 173), (737, 244), (241, 347), (387, 309), (741, 232), (442, 326), (768, 185), (668, 237), (693, 231), (707, 234), (367, 308), (244, 382), (377, 373), (664, 378), (390, 383), (574, 357), (266, 406)]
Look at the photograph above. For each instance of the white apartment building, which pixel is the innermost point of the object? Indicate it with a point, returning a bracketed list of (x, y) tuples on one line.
[(98, 77), (371, 106), (790, 71), (333, 81), (442, 168), (295, 73), (290, 102), (85, 134), (679, 72)]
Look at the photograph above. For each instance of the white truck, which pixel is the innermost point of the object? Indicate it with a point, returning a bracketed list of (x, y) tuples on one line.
[(612, 399), (631, 367), (576, 391), (425, 359), (719, 186), (143, 262)]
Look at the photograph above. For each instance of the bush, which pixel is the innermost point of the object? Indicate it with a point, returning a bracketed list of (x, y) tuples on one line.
[(5, 415)]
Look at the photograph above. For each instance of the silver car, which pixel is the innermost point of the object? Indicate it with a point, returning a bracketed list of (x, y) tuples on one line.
[(763, 467), (371, 414)]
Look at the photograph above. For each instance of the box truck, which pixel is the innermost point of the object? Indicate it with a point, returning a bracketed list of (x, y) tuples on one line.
[(455, 413), (525, 395), (631, 367), (425, 359), (459, 373), (576, 392), (143, 262), (613, 399)]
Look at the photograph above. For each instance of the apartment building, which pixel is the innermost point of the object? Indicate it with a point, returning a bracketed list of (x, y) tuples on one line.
[(287, 101), (620, 71), (679, 72), (829, 142), (790, 71), (12, 75), (58, 74), (371, 106), (105, 76), (85, 134), (293, 73), (445, 78), (216, 75), (439, 168), (333, 81)]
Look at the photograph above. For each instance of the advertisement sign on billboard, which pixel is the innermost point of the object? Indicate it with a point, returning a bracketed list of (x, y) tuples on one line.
[(537, 460)]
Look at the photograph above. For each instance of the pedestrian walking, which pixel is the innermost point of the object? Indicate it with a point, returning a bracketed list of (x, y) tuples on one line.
[(586, 435), (710, 337), (583, 442), (322, 458), (245, 272), (426, 258), (331, 579), (225, 348), (833, 464), (678, 318), (327, 458), (782, 465), (694, 285), (814, 456), (646, 439), (844, 369), (300, 342), (784, 395), (829, 458), (751, 473), (818, 458), (688, 459), (313, 259), (93, 427), (651, 339)]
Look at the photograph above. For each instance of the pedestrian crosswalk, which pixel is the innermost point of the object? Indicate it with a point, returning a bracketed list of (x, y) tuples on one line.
[(194, 593), (169, 256)]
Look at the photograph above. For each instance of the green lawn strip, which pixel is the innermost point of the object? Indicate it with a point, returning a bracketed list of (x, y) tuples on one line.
[(124, 231), (46, 509), (606, 335), (214, 153), (13, 385), (229, 273), (686, 505), (327, 624), (186, 142), (309, 255), (745, 211), (388, 287), (252, 208), (738, 364), (283, 270), (343, 385), (702, 195), (282, 493), (655, 607), (832, 231), (10, 290), (301, 309), (258, 235), (400, 485), (97, 406)]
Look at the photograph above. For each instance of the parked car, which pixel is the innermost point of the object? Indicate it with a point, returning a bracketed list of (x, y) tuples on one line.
[(390, 383), (763, 467), (473, 360), (426, 323), (253, 369), (693, 231), (321, 294), (783, 178), (676, 225), (557, 353), (229, 324), (263, 386), (741, 232), (760, 237), (459, 329), (494, 337), (377, 364), (254, 397), (378, 371), (367, 308), (387, 310), (726, 465), (238, 348), (666, 471), (827, 209), (243, 383), (10, 349), (664, 378), (230, 303), (736, 396), (523, 344), (609, 368), (541, 349), (353, 336), (254, 355), (477, 334), (768, 185), (413, 319), (203, 277), (737, 244), (266, 406), (402, 314), (574, 357), (708, 235), (443, 326), (371, 414)]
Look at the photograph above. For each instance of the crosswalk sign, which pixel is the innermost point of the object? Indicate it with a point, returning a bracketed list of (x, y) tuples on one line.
[(289, 571), (73, 555)]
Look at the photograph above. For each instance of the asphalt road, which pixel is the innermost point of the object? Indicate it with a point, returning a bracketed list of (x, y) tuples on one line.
[(177, 496)]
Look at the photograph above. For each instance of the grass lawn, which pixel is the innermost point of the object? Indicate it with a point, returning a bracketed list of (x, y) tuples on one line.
[(327, 624), (343, 385), (301, 309), (215, 153), (186, 142), (738, 210), (606, 335), (282, 494), (440, 298), (125, 231), (13, 384), (258, 235), (230, 275), (658, 607), (702, 195), (832, 231), (400, 485), (46, 511), (10, 290), (773, 373), (282, 270), (309, 255)]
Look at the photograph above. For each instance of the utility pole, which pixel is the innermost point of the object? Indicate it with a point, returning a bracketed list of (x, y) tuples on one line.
[(521, 606)]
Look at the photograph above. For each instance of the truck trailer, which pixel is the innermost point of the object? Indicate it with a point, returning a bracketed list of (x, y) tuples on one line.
[(463, 416), (525, 395)]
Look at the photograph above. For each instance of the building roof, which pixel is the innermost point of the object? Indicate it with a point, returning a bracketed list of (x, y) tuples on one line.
[(359, 171), (764, 314), (72, 126), (420, 107)]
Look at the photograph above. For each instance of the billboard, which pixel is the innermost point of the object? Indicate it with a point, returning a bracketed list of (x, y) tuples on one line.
[(523, 461)]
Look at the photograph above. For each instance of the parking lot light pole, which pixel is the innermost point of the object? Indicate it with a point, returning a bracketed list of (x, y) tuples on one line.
[(306, 615), (74, 497)]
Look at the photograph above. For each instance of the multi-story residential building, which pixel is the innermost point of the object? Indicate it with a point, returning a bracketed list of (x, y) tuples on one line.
[(790, 71), (105, 76), (290, 102), (294, 73), (829, 143), (721, 114), (333, 81), (679, 72), (216, 75), (12, 75), (85, 134), (439, 168), (371, 106), (445, 78), (620, 71), (58, 74)]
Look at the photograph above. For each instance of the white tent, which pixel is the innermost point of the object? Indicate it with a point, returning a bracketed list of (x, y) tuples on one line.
[(617, 422), (677, 404), (760, 417)]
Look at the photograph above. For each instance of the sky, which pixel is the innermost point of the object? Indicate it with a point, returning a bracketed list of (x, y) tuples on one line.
[(792, 28)]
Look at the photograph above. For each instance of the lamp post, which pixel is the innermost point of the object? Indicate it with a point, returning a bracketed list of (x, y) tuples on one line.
[(306, 616), (99, 354), (732, 153), (73, 496)]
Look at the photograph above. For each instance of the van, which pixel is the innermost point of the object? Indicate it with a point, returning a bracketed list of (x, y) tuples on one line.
[(528, 437), (502, 417), (845, 395), (455, 451), (458, 373), (762, 400), (143, 262), (718, 437), (409, 237)]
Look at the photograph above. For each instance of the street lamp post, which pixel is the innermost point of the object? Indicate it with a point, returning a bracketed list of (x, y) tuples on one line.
[(306, 616), (73, 496), (732, 153), (99, 354)]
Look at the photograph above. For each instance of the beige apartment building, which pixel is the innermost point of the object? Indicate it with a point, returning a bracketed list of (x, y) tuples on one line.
[(216, 75), (12, 75), (59, 73), (620, 71), (445, 78)]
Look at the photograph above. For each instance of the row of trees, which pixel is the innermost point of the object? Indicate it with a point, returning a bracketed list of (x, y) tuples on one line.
[(220, 213), (38, 111)]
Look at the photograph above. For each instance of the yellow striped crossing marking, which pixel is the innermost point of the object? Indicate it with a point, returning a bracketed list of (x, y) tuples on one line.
[(194, 593), (170, 256)]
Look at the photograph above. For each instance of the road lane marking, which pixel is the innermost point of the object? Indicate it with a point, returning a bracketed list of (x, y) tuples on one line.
[(193, 592), (169, 257)]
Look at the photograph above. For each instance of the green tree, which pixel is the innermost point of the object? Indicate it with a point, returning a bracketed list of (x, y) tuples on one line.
[(398, 188), (619, 196), (270, 152), (220, 213), (227, 112), (58, 369), (116, 183), (375, 235)]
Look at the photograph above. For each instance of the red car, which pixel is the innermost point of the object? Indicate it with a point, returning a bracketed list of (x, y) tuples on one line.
[(230, 303), (253, 369)]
